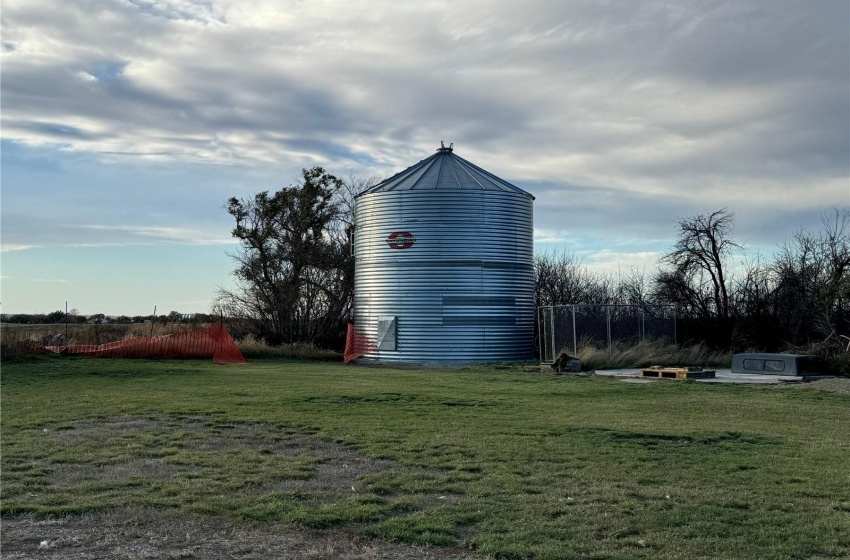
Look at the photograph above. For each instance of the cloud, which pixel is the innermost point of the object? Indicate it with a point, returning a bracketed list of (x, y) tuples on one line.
[(621, 262), (553, 236), (184, 236), (9, 247), (618, 117)]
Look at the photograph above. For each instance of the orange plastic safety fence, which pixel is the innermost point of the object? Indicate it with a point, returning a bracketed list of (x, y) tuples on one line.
[(356, 345), (210, 342)]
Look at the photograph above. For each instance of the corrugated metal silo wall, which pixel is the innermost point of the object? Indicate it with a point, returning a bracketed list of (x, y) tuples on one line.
[(464, 290)]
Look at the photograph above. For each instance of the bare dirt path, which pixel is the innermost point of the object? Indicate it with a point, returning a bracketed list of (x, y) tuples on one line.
[(139, 534)]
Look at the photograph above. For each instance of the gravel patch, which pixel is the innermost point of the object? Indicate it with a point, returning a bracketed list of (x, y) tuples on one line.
[(835, 385)]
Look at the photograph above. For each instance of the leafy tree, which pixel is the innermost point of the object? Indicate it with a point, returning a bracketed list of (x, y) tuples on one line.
[(294, 268), (75, 317), (96, 318), (55, 317)]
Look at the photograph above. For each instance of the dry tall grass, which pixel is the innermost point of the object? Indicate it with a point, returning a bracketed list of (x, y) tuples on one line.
[(17, 340), (88, 333), (251, 347), (649, 353)]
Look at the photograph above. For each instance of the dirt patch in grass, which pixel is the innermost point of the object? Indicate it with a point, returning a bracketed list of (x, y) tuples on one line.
[(113, 474), (172, 445), (202, 487), (150, 534)]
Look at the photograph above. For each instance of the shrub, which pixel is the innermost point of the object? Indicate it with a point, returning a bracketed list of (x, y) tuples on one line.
[(833, 352)]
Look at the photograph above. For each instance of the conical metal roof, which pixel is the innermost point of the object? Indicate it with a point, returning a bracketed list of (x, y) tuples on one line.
[(447, 171)]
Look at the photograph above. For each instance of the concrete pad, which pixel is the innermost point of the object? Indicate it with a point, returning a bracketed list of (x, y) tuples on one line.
[(722, 375)]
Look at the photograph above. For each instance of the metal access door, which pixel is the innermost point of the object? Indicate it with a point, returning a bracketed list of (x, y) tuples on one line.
[(387, 333)]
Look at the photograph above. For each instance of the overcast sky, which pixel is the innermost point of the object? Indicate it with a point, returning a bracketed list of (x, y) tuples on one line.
[(127, 123)]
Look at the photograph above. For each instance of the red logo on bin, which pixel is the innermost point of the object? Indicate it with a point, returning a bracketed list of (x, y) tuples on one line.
[(401, 240)]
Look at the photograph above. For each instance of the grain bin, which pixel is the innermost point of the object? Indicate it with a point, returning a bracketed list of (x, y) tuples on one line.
[(444, 265)]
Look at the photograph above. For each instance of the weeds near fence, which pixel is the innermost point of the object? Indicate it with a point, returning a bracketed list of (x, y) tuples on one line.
[(17, 341), (649, 353), (141, 330), (13, 346), (833, 353), (838, 364), (252, 347), (652, 352), (87, 333)]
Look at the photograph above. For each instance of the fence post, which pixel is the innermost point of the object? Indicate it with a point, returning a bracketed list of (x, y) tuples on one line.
[(541, 333), (642, 323), (575, 338), (552, 329), (675, 332), (608, 323)]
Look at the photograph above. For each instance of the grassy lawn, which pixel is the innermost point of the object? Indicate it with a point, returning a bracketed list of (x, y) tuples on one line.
[(504, 462)]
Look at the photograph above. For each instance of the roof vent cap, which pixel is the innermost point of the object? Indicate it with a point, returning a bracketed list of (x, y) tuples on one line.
[(443, 149)]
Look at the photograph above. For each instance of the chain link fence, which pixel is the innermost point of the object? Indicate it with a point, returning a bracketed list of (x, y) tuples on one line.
[(566, 327)]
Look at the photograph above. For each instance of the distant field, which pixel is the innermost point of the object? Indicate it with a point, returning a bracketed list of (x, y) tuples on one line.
[(308, 456), (86, 333)]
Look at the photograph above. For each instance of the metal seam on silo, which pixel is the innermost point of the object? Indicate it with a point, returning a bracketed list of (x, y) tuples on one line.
[(441, 158), (465, 170), (452, 167), (500, 183), (396, 179), (427, 164), (394, 182), (498, 180)]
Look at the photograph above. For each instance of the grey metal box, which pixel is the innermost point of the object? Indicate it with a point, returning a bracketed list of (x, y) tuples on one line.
[(777, 364)]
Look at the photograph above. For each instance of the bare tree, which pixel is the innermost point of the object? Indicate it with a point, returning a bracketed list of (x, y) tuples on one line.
[(633, 288), (561, 279), (812, 281), (752, 307), (695, 277)]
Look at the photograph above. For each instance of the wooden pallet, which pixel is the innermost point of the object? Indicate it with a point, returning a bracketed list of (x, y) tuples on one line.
[(660, 372)]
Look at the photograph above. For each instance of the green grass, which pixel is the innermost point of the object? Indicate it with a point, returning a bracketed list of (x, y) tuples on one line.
[(505, 462)]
